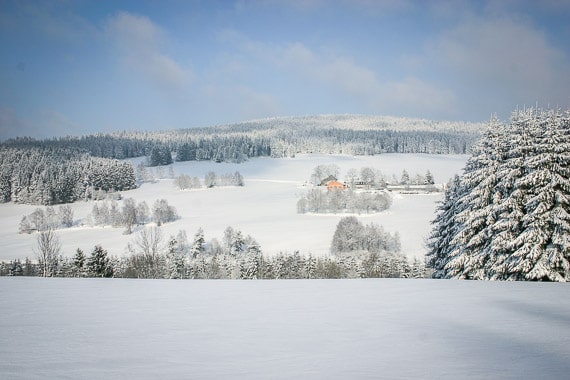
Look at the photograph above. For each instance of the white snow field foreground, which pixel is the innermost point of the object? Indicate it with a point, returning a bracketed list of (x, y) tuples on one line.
[(265, 208), (283, 329)]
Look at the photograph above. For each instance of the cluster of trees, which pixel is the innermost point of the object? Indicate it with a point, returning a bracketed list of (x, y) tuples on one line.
[(211, 179), (370, 142), (50, 262), (47, 218), (144, 173), (119, 145), (105, 213), (352, 236), (221, 146), (185, 182), (417, 179), (160, 155), (508, 216), (40, 175), (321, 201)]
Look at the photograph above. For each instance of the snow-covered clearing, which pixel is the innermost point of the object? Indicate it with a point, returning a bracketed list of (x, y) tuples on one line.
[(288, 329), (265, 208)]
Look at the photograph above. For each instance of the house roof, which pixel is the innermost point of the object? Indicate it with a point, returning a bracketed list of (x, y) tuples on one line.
[(326, 181)]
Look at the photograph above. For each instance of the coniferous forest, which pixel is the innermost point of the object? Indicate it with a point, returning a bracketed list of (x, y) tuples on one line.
[(508, 216), (46, 175)]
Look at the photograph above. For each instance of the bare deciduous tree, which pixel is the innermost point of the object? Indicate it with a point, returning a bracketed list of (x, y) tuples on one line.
[(147, 249), (48, 252)]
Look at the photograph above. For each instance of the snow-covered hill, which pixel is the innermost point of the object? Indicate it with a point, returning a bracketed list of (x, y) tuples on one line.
[(264, 208), (283, 329)]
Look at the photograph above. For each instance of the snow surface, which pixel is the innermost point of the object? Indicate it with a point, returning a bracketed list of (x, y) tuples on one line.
[(288, 329), (264, 208)]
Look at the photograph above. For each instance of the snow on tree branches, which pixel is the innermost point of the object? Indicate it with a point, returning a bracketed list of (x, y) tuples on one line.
[(508, 216)]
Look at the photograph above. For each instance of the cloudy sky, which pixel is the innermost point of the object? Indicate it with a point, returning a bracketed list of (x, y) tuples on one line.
[(76, 67)]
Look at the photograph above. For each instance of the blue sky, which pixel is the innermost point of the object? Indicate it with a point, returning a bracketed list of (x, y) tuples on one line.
[(78, 67)]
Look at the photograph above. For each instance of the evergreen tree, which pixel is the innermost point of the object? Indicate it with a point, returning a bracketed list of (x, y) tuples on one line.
[(428, 179), (174, 259), (542, 249), (511, 218), (440, 243), (79, 263), (186, 152), (199, 244), (405, 178), (476, 208), (98, 263)]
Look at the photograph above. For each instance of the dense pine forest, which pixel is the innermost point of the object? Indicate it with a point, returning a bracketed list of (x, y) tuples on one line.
[(508, 216), (40, 174)]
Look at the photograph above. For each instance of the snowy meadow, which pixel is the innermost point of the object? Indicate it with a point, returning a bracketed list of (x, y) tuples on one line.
[(264, 208), (317, 329)]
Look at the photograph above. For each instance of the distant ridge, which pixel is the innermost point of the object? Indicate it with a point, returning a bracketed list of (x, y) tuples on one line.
[(350, 122), (272, 137)]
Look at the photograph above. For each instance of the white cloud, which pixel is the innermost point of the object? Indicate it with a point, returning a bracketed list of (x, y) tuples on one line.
[(338, 72), (347, 79), (414, 97), (240, 102), (503, 54), (138, 42)]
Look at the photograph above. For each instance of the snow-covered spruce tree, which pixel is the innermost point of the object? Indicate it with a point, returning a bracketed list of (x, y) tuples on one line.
[(542, 249), (79, 264), (199, 244), (174, 259), (98, 263), (439, 244), (511, 219), (475, 207), (511, 195)]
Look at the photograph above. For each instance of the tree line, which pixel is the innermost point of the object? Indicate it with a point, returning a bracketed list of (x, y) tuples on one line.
[(283, 137), (249, 265), (373, 254)]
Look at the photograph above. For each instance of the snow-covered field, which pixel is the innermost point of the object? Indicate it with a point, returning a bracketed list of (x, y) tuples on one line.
[(265, 208), (283, 329)]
